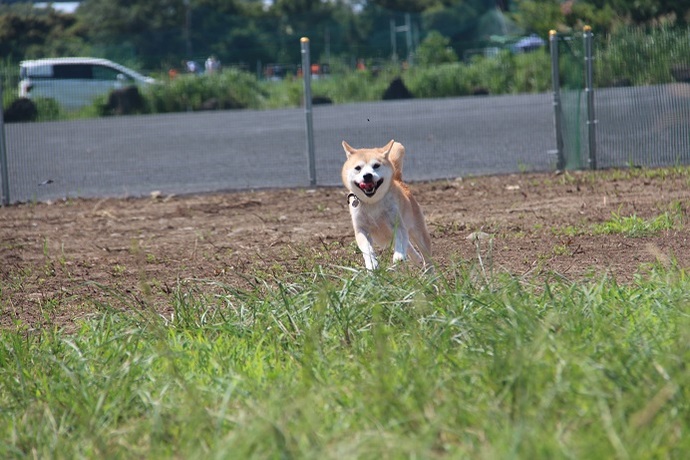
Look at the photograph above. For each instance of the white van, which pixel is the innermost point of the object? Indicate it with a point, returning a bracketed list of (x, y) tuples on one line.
[(74, 82)]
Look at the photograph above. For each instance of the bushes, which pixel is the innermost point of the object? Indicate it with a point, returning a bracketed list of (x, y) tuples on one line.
[(633, 56), (21, 110), (502, 74), (505, 73), (48, 109), (235, 89), (439, 81), (435, 49), (356, 86), (231, 89), (629, 56)]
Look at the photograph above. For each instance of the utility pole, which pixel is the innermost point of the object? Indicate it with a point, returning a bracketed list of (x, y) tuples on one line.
[(187, 28), (407, 30)]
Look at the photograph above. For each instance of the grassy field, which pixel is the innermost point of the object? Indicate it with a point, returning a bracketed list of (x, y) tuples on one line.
[(338, 363)]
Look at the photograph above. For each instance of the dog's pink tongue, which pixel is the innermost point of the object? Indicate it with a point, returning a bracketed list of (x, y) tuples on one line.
[(366, 186)]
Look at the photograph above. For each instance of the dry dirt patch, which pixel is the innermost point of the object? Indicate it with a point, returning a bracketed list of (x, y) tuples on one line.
[(60, 261)]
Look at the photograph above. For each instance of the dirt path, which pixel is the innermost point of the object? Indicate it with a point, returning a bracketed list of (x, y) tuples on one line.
[(60, 261)]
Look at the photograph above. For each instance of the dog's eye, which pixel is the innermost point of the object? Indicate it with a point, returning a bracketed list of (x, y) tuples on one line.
[(376, 165), (358, 168)]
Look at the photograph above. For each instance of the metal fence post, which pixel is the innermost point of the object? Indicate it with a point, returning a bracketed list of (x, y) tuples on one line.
[(556, 85), (4, 175), (394, 42), (589, 91), (408, 39), (306, 75)]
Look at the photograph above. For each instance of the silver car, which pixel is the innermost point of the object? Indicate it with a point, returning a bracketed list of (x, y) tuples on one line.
[(75, 82)]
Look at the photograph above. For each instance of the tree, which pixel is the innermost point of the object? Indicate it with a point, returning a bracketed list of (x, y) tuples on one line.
[(27, 32), (435, 49), (407, 6), (646, 11), (143, 30), (235, 32), (468, 23), (538, 16)]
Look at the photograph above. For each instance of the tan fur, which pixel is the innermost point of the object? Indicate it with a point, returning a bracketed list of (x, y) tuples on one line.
[(386, 213)]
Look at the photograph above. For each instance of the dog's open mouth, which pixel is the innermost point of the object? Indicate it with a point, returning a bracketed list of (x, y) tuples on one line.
[(369, 188)]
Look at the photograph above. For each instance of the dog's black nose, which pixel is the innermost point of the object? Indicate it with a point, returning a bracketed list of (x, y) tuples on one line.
[(368, 177)]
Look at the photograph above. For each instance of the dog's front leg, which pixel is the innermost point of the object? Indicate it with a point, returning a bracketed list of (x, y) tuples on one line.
[(401, 242), (367, 249)]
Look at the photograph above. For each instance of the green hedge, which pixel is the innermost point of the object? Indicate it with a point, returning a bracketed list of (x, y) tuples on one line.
[(629, 56), (231, 89), (635, 56), (502, 74)]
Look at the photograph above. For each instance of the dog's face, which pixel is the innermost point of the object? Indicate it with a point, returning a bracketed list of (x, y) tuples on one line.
[(367, 172)]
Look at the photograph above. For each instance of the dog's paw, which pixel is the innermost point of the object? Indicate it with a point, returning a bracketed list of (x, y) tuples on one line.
[(398, 257), (371, 264)]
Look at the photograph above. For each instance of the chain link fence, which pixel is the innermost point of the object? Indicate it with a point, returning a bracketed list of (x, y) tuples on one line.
[(230, 150), (568, 64), (641, 96), (636, 124)]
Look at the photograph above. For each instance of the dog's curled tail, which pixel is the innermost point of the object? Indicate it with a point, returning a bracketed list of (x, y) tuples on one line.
[(396, 156)]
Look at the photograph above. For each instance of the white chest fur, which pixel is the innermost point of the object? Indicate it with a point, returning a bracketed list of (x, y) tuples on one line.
[(382, 213)]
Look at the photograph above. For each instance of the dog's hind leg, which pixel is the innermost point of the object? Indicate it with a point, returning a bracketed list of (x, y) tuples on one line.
[(414, 253), (422, 246)]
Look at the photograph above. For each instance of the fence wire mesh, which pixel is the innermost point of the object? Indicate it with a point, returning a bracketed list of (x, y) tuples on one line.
[(642, 99), (638, 123), (572, 97), (644, 113), (225, 150)]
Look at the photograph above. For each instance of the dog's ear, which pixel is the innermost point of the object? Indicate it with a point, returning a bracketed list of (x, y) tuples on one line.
[(348, 149), (388, 147)]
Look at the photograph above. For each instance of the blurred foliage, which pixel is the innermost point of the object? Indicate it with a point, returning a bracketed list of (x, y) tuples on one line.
[(603, 16), (643, 56), (459, 47), (158, 34), (48, 109), (231, 89), (27, 32), (435, 49), (502, 74)]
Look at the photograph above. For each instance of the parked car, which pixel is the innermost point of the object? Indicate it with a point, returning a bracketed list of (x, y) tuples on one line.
[(75, 82)]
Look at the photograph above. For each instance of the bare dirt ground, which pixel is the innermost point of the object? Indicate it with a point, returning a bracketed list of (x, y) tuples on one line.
[(65, 260)]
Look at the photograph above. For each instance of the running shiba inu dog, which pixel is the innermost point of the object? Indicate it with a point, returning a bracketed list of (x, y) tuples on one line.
[(382, 208)]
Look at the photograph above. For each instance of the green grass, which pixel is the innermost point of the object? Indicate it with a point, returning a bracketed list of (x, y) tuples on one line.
[(341, 364), (634, 226)]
